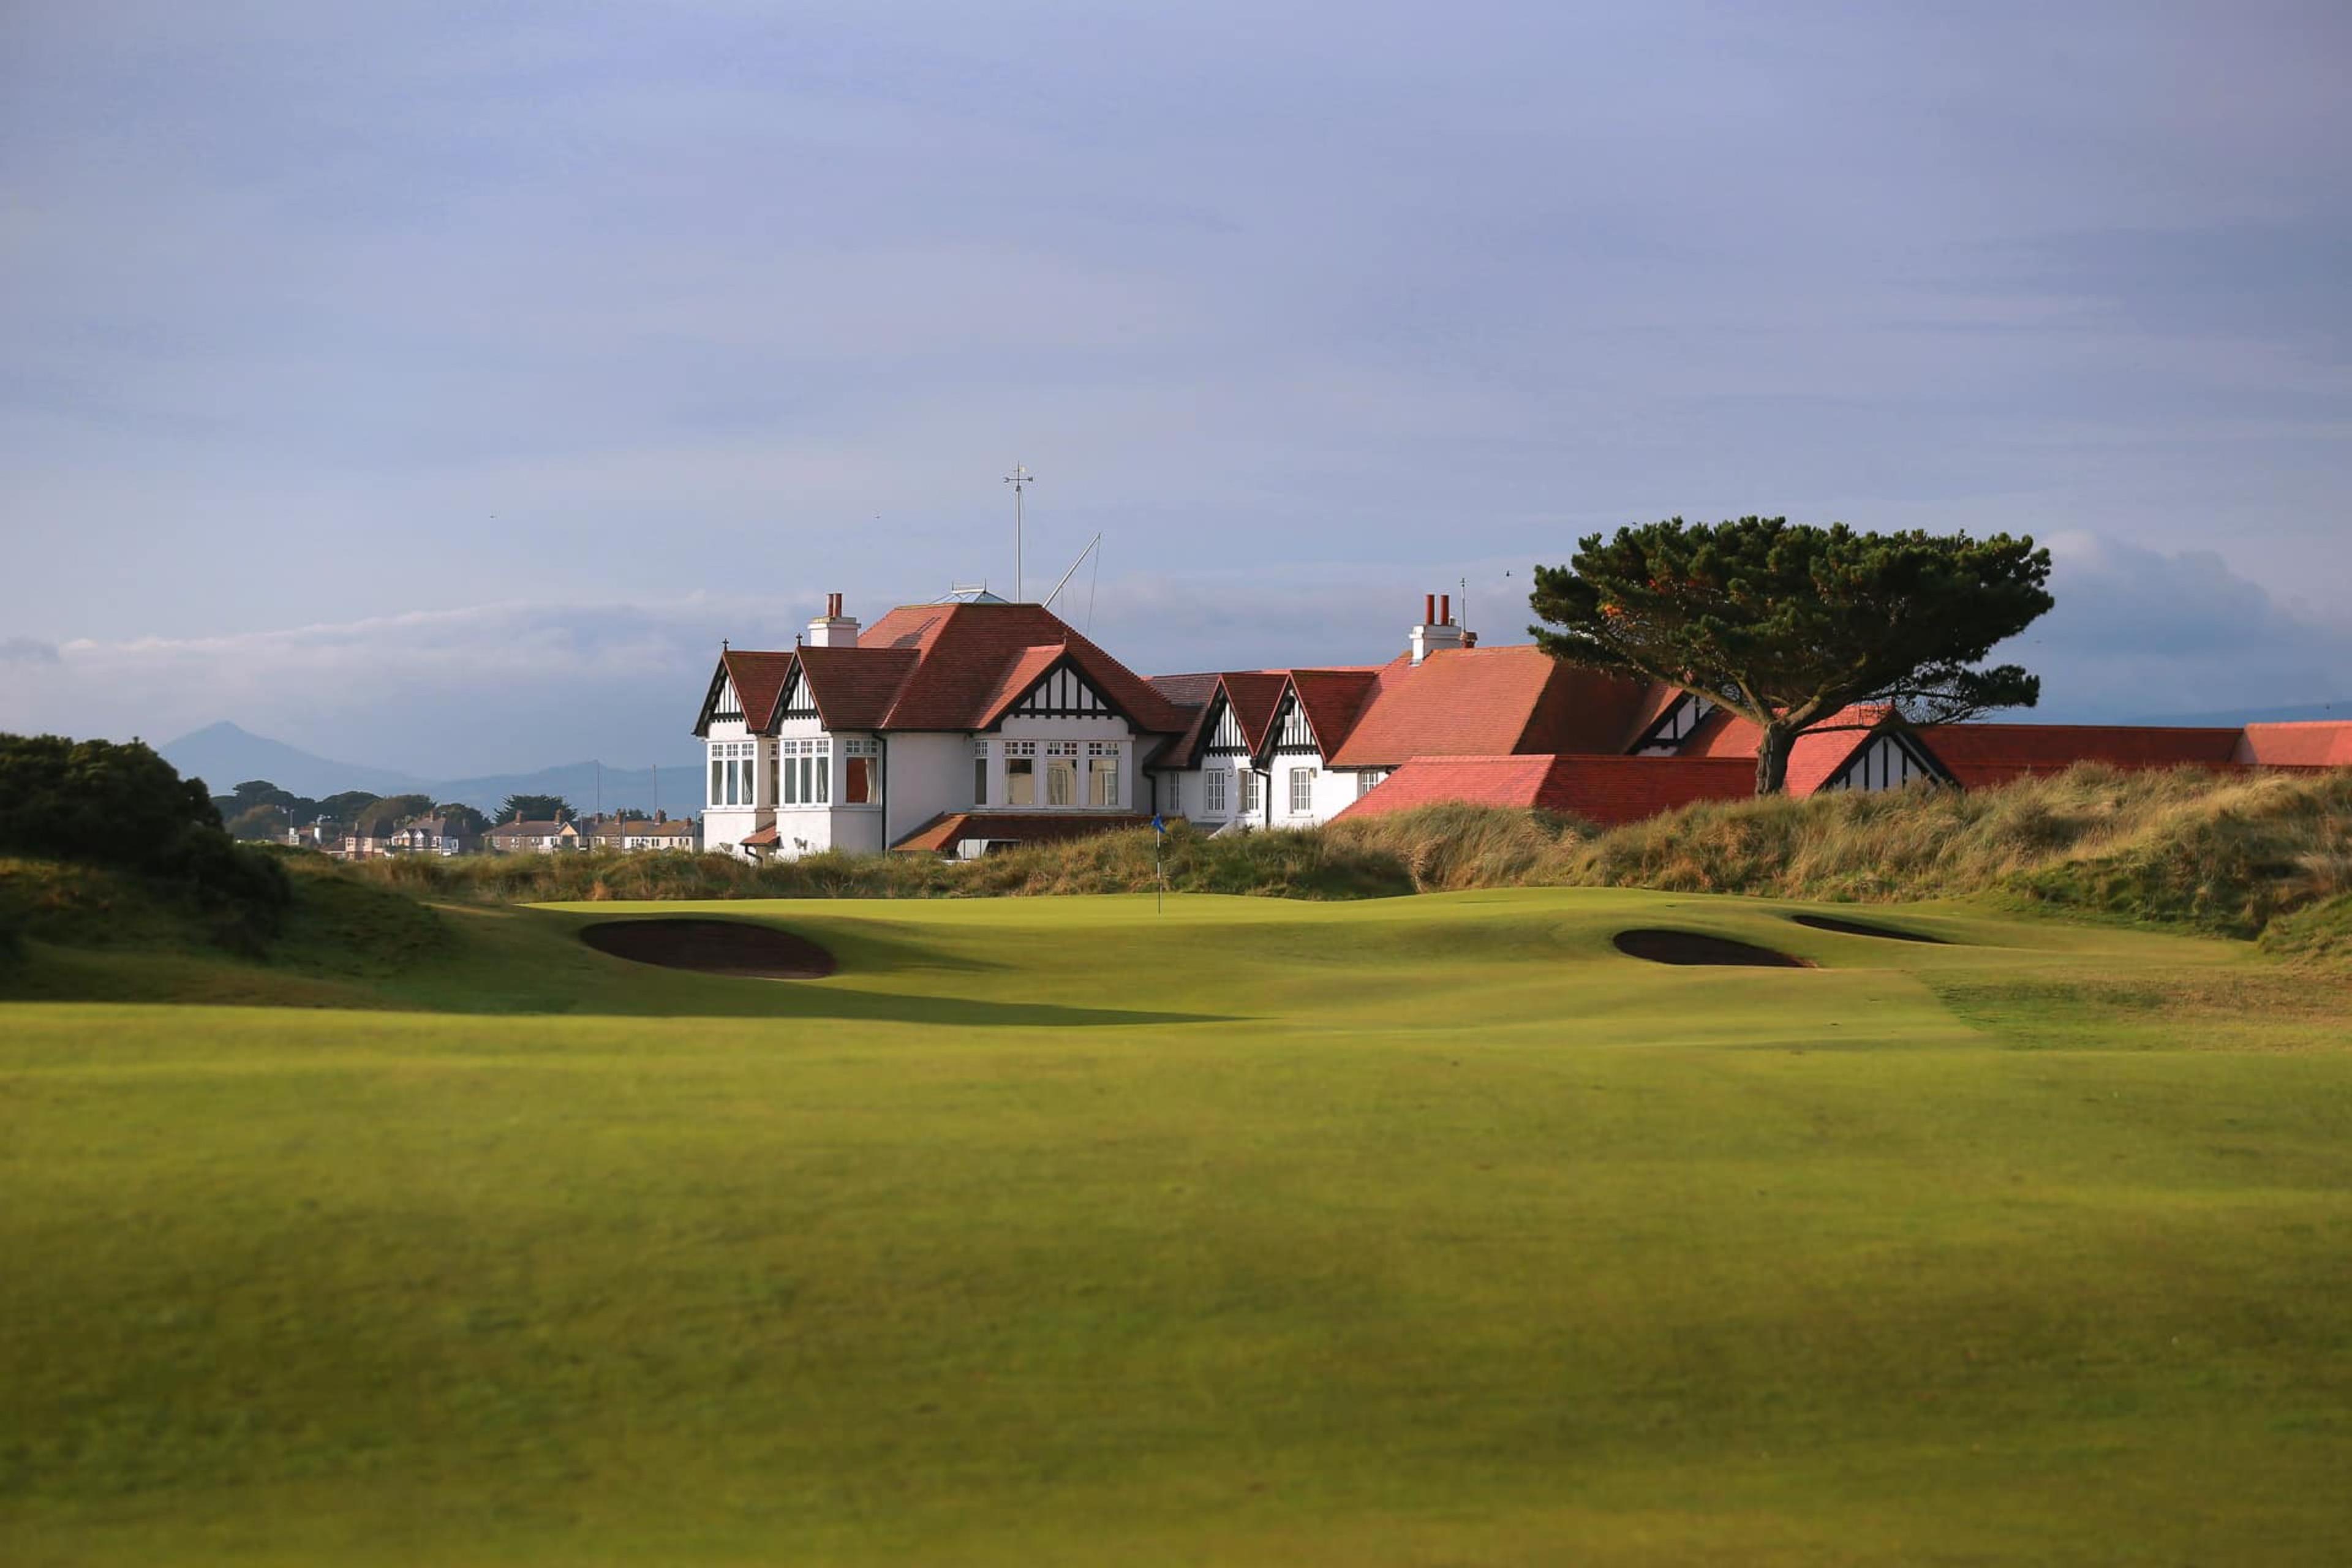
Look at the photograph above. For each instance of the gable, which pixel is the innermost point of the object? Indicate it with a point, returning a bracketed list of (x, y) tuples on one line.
[(1062, 692), (796, 701), (1294, 736), (1666, 735), (722, 704), (1226, 737), (1888, 760)]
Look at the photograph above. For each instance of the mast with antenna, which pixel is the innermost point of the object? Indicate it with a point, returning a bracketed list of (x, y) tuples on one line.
[(1020, 479), (1073, 572)]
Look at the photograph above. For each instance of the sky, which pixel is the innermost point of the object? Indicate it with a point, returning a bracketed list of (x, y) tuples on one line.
[(436, 385)]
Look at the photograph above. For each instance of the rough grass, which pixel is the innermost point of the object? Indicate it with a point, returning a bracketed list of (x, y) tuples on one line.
[(2219, 853), (1400, 1232)]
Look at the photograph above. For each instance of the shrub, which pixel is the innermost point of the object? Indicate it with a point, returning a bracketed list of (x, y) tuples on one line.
[(97, 803)]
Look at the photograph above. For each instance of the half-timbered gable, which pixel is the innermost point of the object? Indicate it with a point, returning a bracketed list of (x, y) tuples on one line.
[(1062, 692), (1666, 735), (1889, 759)]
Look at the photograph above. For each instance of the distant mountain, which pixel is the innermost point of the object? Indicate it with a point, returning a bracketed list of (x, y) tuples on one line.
[(225, 756)]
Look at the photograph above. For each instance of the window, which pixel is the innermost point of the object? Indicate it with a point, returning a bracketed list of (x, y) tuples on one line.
[(1249, 791), (980, 772), (1367, 779), (807, 772), (1102, 773), (1302, 791), (789, 775), (1213, 791), (717, 784), (861, 772), (1020, 772), (1061, 773)]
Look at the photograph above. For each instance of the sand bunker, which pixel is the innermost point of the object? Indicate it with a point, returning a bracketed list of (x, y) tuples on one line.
[(712, 947), (1856, 927), (1662, 946)]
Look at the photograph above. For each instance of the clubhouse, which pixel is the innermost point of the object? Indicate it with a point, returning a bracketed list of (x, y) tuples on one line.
[(973, 723)]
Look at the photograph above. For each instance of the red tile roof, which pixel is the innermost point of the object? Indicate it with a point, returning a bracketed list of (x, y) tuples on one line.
[(945, 666), (1979, 754), (1487, 702), (758, 676), (1193, 696), (2312, 743), (1255, 696), (945, 831), (1817, 757), (1334, 700), (853, 687), (969, 653), (1606, 790)]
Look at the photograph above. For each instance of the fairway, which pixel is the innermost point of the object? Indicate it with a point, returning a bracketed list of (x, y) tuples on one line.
[(1416, 1231)]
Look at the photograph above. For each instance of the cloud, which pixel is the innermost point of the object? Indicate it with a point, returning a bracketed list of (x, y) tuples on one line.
[(2139, 633), (522, 684)]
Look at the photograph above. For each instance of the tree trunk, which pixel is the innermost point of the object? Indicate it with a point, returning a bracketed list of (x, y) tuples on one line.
[(1772, 759)]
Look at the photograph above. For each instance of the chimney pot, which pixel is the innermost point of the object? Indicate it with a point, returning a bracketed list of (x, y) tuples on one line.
[(1429, 609), (1444, 609)]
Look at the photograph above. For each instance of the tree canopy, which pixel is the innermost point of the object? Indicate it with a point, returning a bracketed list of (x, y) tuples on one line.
[(462, 818), (1790, 625), (536, 808), (96, 802)]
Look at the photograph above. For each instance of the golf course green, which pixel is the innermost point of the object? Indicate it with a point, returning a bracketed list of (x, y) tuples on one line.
[(1427, 1231)]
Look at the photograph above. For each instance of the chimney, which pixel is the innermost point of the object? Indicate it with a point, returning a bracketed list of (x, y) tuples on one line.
[(833, 629), (1437, 631)]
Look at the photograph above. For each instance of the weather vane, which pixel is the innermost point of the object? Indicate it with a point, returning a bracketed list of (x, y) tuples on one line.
[(1020, 479)]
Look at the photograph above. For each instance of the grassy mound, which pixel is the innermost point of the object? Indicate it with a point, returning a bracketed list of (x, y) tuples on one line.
[(69, 930), (2217, 853)]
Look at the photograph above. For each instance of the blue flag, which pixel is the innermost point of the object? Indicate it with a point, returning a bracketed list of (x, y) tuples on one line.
[(1159, 823)]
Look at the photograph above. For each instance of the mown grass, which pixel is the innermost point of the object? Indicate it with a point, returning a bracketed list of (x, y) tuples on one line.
[(1404, 1231)]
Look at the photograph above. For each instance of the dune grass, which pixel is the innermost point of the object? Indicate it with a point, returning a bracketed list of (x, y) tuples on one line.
[(1405, 1231), (2215, 852)]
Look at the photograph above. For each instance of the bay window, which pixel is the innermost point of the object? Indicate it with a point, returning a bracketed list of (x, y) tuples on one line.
[(807, 774), (980, 772)]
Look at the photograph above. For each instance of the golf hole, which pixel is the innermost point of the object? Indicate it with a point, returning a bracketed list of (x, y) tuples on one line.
[(1858, 928), (712, 947), (1662, 946)]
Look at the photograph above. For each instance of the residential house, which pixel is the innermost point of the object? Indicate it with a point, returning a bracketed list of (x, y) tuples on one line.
[(632, 834), (432, 836), (534, 838)]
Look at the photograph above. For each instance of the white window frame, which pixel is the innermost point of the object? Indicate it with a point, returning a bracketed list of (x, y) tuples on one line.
[(1065, 752), (1106, 760), (1302, 791), (1213, 791)]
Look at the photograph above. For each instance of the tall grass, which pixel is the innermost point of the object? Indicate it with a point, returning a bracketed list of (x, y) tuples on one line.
[(2223, 853)]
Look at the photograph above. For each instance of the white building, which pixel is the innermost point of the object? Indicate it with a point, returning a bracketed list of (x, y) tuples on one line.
[(953, 727), (964, 725)]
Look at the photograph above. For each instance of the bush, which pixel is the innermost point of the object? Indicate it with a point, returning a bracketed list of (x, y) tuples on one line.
[(97, 803)]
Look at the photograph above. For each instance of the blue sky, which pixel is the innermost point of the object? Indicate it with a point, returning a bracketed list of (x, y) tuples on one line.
[(436, 385)]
